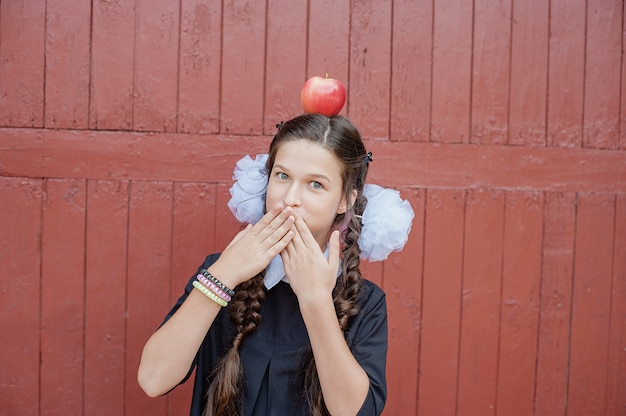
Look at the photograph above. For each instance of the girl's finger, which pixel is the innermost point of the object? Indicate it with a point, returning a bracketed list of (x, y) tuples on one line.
[(271, 236), (333, 249), (270, 215), (271, 222), (297, 240), (239, 235), (304, 232), (280, 245)]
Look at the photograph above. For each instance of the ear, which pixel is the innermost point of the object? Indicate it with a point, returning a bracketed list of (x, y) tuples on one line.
[(343, 206)]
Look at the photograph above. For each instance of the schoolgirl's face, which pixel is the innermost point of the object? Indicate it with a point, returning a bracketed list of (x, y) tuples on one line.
[(307, 177)]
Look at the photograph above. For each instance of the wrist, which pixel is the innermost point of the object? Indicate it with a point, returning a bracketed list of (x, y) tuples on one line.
[(227, 279), (315, 304)]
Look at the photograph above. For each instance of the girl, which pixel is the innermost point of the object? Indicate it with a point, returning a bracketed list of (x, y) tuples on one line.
[(303, 333)]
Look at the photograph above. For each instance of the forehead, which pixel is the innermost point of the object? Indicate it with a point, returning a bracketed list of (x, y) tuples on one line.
[(306, 157)]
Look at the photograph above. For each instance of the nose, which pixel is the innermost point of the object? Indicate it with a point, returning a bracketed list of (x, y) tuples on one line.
[(292, 196)]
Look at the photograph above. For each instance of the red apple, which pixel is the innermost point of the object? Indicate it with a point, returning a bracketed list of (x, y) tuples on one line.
[(323, 96)]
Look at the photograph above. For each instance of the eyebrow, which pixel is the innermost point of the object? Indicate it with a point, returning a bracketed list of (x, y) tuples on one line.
[(311, 175)]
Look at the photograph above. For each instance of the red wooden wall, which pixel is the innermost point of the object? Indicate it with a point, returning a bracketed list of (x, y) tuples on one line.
[(503, 122)]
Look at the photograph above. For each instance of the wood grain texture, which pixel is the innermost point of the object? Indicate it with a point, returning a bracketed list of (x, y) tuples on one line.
[(519, 315), (370, 61), (106, 296), (602, 74), (20, 309), (441, 302), (148, 283), (22, 54), (243, 63), (481, 302), (286, 62), (530, 32), (199, 66), (411, 76), (112, 43), (591, 306), (566, 73), (451, 63), (155, 75), (67, 64), (556, 302), (107, 155), (403, 288), (615, 401), (491, 60), (63, 296)]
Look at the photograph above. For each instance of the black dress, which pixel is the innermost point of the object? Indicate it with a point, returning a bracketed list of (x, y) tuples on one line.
[(272, 356)]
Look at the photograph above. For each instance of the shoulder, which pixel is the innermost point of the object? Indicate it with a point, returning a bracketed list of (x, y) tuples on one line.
[(372, 315), (371, 293)]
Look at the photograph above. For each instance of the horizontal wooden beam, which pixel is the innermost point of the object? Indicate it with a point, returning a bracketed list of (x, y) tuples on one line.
[(43, 153)]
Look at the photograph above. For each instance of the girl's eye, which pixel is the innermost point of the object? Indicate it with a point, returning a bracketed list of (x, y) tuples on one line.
[(282, 175), (316, 185)]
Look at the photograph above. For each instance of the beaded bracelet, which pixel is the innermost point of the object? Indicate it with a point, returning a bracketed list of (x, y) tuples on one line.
[(215, 280), (219, 292), (209, 294)]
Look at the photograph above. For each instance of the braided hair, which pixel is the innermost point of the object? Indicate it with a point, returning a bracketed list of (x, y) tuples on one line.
[(338, 135)]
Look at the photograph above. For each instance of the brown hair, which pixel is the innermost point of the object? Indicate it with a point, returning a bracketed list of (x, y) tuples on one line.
[(338, 135)]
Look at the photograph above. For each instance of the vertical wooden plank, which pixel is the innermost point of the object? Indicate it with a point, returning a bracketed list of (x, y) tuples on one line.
[(193, 233), (112, 65), (199, 71), (105, 296), (243, 66), (411, 76), (20, 268), (286, 60), (226, 225), (452, 60), (566, 72), (62, 297), (328, 25), (22, 53), (603, 61), (148, 284), (403, 287), (68, 27), (616, 381), (622, 130), (480, 319), (156, 65), (556, 291), (591, 309), (529, 73), (373, 271), (370, 62), (441, 302), (192, 241), (521, 283), (491, 58)]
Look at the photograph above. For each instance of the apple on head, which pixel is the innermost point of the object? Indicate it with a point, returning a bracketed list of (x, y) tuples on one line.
[(323, 96)]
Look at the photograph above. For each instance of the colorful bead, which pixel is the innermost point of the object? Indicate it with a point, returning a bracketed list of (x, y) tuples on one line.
[(215, 280), (219, 292), (209, 294)]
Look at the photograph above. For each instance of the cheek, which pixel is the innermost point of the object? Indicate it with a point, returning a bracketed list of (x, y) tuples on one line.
[(270, 197)]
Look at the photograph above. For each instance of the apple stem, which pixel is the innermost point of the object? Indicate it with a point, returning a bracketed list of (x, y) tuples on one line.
[(326, 76)]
